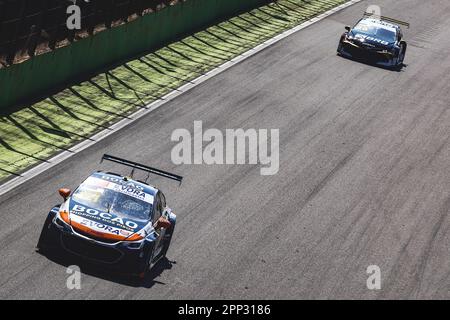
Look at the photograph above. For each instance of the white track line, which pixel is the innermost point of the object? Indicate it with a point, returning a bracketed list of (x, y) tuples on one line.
[(33, 172)]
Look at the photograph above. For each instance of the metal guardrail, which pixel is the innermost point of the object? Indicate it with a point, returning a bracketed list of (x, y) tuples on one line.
[(29, 26)]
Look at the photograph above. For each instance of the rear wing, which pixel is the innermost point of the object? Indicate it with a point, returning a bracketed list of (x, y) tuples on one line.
[(387, 19), (135, 165)]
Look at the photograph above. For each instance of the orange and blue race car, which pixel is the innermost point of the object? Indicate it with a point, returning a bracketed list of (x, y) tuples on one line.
[(113, 220), (376, 39)]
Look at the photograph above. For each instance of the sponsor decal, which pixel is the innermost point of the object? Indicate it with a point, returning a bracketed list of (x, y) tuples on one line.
[(132, 192), (363, 37), (96, 182), (124, 233), (121, 182), (104, 216), (103, 227), (119, 185)]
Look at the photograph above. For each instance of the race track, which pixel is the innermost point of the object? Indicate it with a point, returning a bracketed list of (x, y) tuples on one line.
[(364, 179)]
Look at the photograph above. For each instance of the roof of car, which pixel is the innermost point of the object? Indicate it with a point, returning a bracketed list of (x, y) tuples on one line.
[(123, 180)]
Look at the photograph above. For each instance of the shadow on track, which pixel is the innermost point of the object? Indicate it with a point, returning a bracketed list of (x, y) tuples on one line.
[(66, 259), (373, 63)]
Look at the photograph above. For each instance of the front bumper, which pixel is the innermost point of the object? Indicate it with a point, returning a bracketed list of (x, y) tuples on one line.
[(372, 55), (113, 256)]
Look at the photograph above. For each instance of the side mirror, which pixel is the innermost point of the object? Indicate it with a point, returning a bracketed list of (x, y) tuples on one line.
[(65, 193), (162, 223), (347, 28), (166, 213)]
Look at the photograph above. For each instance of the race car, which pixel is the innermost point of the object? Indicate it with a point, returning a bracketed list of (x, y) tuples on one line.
[(376, 39), (113, 220)]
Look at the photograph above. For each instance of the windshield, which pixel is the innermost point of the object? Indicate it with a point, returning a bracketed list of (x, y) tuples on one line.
[(381, 32), (113, 198)]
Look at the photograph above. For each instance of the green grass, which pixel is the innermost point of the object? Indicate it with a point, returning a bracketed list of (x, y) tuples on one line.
[(35, 133)]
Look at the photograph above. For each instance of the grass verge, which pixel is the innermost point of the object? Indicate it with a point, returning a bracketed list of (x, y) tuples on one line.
[(34, 133)]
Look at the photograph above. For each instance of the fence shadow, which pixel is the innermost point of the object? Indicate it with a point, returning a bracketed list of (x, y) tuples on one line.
[(59, 118)]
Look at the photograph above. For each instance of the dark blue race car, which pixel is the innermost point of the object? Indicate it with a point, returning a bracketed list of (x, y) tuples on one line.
[(113, 220), (376, 39)]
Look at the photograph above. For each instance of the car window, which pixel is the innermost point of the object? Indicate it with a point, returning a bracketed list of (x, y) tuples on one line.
[(111, 199), (378, 31)]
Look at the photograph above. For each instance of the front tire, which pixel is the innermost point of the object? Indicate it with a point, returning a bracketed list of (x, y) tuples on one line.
[(47, 238), (339, 48), (401, 56), (149, 263)]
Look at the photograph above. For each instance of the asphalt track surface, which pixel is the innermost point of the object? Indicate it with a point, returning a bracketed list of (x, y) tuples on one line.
[(364, 179)]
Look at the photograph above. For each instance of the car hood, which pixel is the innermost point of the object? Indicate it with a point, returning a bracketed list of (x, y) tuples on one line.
[(101, 225), (371, 41)]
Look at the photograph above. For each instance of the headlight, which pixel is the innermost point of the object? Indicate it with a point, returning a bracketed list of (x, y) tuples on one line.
[(388, 52), (61, 223), (134, 244)]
